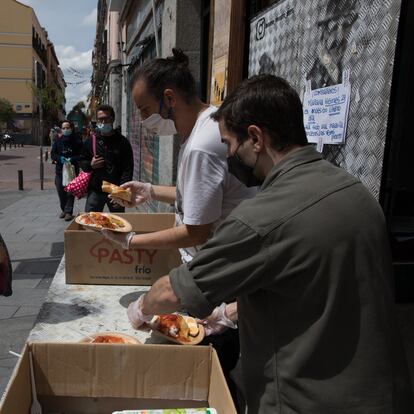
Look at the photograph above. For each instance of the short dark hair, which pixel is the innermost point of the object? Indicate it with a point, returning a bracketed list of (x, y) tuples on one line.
[(268, 102), (106, 108), (72, 125), (171, 72)]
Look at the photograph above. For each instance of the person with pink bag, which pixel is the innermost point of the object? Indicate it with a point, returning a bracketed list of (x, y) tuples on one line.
[(111, 160), (78, 187)]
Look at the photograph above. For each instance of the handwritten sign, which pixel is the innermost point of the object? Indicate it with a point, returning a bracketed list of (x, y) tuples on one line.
[(325, 113)]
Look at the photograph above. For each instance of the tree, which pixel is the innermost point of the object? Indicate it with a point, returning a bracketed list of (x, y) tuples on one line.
[(7, 112), (52, 99), (79, 107)]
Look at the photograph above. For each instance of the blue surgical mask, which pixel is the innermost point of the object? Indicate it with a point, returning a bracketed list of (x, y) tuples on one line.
[(105, 129), (67, 132)]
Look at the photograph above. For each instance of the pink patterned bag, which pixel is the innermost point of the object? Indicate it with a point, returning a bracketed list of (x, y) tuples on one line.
[(79, 185)]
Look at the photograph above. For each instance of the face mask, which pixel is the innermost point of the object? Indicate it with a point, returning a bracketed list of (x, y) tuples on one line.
[(243, 172), (105, 129), (67, 132), (156, 124)]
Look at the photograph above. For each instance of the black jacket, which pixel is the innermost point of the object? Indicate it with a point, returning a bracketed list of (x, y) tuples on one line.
[(5, 270), (119, 160), (68, 147)]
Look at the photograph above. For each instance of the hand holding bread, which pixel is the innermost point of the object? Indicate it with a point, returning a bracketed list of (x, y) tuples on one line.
[(140, 193), (116, 192)]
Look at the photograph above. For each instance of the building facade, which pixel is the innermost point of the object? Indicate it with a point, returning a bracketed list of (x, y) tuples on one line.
[(56, 82), (27, 62), (128, 34)]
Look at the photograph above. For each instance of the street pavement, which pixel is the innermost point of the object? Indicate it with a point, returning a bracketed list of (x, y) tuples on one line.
[(33, 234), (26, 159)]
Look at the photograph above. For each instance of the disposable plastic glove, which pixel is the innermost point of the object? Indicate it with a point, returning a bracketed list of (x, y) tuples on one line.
[(63, 159), (135, 315), (140, 193), (124, 239), (218, 321)]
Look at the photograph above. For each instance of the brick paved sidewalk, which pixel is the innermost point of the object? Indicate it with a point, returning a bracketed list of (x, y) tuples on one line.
[(27, 159), (24, 216), (33, 233)]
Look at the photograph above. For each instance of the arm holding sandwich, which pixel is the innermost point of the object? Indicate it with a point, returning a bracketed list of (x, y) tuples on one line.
[(142, 192), (173, 238), (161, 299), (134, 193)]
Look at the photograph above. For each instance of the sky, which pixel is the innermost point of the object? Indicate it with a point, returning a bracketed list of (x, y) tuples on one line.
[(71, 26)]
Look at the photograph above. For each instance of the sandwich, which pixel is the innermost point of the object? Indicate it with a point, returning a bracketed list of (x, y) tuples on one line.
[(176, 326), (101, 221), (116, 191)]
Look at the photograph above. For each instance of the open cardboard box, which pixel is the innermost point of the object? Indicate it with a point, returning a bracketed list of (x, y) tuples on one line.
[(90, 258), (102, 378)]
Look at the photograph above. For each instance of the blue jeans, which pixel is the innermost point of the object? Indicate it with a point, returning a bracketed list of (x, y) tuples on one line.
[(66, 199), (96, 202)]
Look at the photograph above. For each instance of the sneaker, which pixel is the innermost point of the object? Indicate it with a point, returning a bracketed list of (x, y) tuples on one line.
[(69, 217), (62, 214)]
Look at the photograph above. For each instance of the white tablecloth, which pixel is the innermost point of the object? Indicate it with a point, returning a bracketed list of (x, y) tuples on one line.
[(71, 312)]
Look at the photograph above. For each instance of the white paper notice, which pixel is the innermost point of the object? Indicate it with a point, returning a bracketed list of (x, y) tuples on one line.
[(325, 113)]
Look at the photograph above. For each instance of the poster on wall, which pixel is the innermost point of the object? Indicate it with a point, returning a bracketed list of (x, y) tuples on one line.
[(220, 51), (218, 81), (325, 112)]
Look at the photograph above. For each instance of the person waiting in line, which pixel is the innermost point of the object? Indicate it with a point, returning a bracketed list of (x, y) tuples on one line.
[(165, 93), (113, 161), (66, 148), (309, 261)]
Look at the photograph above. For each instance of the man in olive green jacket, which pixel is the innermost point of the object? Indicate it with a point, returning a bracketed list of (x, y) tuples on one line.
[(309, 263)]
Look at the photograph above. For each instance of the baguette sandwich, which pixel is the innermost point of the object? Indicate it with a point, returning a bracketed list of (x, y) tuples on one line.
[(116, 191)]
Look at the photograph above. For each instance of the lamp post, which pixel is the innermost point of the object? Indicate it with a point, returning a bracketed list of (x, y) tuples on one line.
[(41, 141)]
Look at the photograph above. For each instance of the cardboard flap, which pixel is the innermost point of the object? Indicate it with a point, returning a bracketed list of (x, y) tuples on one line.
[(219, 395), (97, 370), (19, 389)]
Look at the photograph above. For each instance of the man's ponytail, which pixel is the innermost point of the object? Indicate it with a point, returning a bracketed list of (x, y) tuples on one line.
[(171, 72)]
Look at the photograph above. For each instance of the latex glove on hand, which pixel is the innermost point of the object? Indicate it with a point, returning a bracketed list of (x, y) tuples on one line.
[(135, 315), (218, 321), (124, 239), (63, 159), (140, 193)]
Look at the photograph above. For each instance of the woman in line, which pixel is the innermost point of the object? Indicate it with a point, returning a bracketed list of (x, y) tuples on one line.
[(67, 148)]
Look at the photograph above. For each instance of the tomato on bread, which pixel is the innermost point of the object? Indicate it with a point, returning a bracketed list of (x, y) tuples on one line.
[(176, 326)]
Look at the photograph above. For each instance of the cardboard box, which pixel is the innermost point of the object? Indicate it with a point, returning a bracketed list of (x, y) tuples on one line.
[(92, 259), (102, 378)]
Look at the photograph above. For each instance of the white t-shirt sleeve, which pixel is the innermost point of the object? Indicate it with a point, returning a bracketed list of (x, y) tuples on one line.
[(203, 181)]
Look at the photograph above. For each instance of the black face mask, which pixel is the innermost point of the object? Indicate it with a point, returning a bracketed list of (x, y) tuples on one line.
[(243, 172)]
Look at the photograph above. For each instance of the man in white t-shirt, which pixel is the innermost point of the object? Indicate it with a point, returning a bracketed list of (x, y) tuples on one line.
[(205, 191), (164, 92)]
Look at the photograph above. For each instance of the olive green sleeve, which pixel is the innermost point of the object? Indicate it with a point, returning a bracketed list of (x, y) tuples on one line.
[(231, 263)]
